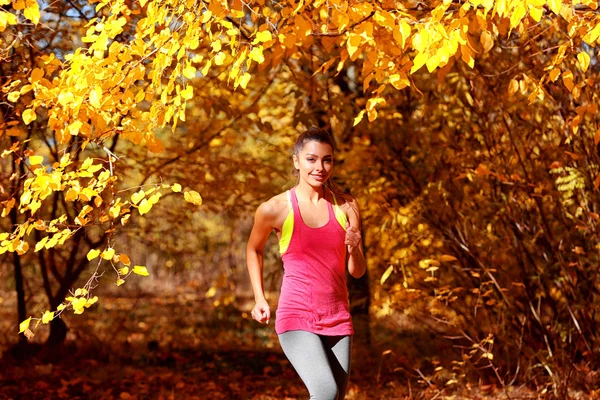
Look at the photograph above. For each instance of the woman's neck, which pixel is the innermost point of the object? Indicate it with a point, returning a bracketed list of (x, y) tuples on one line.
[(310, 193)]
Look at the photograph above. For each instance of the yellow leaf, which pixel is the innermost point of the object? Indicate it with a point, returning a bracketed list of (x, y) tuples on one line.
[(405, 30), (176, 187), (141, 95), (359, 117), (244, 79), (257, 54), (73, 129), (220, 58), (14, 96), (352, 44), (36, 75), (300, 4), (487, 41), (193, 197), (211, 292), (144, 207), (36, 160), (125, 259), (32, 12), (386, 274), (124, 270), (188, 92), (567, 77), (40, 245), (140, 270), (384, 18), (7, 18), (108, 254), (120, 282), (22, 247), (136, 197), (24, 325), (553, 75), (78, 304), (91, 301), (536, 13), (263, 36), (96, 96), (29, 116), (71, 195), (513, 86), (418, 62), (47, 317), (189, 72), (518, 13), (206, 67), (93, 254), (555, 6), (584, 60)]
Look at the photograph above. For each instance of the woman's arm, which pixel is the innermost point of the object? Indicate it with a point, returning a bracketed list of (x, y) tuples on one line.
[(357, 264), (263, 224)]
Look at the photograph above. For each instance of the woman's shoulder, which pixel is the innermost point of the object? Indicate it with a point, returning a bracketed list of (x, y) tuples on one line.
[(274, 207), (345, 201)]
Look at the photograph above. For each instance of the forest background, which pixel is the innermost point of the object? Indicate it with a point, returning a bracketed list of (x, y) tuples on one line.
[(138, 137)]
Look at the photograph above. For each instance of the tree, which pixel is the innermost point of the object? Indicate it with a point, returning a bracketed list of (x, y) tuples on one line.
[(439, 147)]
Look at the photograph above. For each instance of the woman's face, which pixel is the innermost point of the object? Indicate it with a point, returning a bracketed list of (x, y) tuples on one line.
[(314, 163)]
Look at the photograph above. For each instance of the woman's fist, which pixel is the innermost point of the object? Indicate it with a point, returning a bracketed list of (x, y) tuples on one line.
[(352, 238), (261, 312)]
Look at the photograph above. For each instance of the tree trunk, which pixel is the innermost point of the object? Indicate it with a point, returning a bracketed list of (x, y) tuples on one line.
[(58, 333), (360, 302), (21, 306)]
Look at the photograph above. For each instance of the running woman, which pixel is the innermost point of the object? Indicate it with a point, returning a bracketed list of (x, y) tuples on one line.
[(318, 229)]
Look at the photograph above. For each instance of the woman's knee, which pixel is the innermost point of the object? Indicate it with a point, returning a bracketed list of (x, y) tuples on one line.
[(324, 389)]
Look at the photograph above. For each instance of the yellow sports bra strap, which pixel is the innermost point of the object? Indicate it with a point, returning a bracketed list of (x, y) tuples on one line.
[(340, 215), (288, 227)]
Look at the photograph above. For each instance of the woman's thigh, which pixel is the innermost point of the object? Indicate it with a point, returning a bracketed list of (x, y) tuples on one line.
[(322, 362), (338, 350)]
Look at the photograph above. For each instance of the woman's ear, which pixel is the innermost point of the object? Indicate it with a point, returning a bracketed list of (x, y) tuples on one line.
[(295, 159)]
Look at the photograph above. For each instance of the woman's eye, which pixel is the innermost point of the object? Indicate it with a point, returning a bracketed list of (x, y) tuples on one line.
[(310, 159)]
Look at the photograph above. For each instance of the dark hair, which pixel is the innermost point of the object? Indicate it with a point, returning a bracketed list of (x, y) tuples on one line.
[(322, 136), (313, 134)]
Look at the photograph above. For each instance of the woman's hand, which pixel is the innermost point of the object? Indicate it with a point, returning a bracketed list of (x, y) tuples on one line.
[(353, 238), (261, 312)]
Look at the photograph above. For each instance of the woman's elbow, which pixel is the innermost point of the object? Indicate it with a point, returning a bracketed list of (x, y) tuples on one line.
[(357, 273)]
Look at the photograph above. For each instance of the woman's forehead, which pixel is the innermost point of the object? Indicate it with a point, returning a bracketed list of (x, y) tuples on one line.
[(317, 148)]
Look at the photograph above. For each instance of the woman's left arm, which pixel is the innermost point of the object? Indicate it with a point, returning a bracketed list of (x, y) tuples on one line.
[(356, 258)]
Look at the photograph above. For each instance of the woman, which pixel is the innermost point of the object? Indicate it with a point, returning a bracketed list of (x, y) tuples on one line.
[(319, 234)]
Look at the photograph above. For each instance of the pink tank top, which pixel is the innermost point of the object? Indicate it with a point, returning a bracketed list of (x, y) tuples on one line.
[(314, 296)]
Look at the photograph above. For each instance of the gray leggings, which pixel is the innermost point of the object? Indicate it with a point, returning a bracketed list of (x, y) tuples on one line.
[(323, 362)]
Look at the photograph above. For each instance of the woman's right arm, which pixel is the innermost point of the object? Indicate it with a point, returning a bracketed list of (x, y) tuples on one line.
[(264, 220)]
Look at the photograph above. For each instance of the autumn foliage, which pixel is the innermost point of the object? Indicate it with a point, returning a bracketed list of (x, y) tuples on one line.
[(468, 131)]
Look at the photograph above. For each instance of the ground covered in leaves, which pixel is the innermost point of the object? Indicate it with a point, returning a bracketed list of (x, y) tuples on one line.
[(179, 347)]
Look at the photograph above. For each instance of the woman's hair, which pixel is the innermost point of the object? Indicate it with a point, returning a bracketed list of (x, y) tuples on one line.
[(313, 134), (322, 136)]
